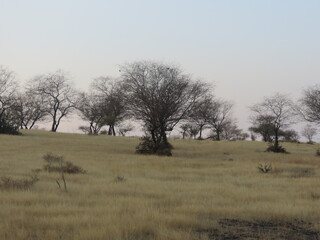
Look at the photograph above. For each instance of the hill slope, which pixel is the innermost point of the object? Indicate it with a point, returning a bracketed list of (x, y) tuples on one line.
[(207, 190)]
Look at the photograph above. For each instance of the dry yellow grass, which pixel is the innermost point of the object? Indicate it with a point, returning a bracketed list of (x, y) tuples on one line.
[(161, 197)]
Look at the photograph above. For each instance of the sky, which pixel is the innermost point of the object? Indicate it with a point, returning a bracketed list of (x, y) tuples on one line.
[(247, 49)]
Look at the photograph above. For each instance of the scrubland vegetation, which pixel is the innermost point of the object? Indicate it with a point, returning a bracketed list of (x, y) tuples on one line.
[(206, 190)]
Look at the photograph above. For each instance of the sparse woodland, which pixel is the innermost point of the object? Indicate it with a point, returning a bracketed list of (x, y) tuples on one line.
[(159, 96), (214, 185)]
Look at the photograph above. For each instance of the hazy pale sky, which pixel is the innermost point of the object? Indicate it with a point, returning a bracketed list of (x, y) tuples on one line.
[(248, 49)]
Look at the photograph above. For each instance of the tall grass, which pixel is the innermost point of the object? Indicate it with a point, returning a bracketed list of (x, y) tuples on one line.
[(160, 197)]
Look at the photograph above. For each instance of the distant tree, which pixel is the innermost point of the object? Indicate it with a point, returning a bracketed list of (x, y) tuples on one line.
[(59, 94), (278, 108), (290, 136), (193, 131), (310, 104), (159, 95), (184, 130), (30, 108), (220, 115), (263, 125), (231, 131), (124, 129), (253, 136), (201, 114), (111, 95), (8, 88), (91, 109), (309, 132)]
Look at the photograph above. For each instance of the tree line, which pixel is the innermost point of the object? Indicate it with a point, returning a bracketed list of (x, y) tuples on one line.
[(160, 96)]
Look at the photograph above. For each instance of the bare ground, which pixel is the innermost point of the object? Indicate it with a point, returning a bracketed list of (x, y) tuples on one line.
[(233, 229)]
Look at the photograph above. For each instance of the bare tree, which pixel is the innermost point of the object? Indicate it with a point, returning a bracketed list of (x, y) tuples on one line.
[(59, 94), (8, 87), (125, 128), (161, 96), (231, 131), (279, 108), (184, 130), (91, 109), (193, 131), (8, 90), (201, 114), (220, 115), (309, 132), (310, 104), (30, 109), (111, 95)]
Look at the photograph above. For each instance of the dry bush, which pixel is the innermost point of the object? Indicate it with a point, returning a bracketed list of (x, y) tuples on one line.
[(53, 165), (119, 179), (276, 149), (7, 183), (147, 146), (265, 168)]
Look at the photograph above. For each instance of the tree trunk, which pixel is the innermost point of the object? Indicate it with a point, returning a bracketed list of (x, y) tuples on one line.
[(218, 135), (110, 130), (200, 132), (276, 140)]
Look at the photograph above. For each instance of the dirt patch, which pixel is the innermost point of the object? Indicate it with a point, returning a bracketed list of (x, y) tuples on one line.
[(233, 229)]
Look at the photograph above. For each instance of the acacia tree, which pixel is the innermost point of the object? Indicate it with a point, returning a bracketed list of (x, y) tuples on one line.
[(58, 93), (110, 93), (8, 88), (280, 111), (159, 95), (263, 125), (220, 115)]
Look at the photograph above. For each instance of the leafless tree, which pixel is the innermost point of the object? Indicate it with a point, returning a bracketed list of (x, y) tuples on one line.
[(193, 131), (220, 115), (125, 128), (310, 104), (8, 90), (8, 94), (309, 132), (279, 108), (30, 108), (91, 109), (201, 114), (160, 95), (184, 130), (231, 131), (59, 94), (111, 95)]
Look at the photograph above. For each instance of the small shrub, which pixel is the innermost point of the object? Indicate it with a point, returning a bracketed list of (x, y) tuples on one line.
[(119, 179), (7, 183), (164, 149), (318, 152), (147, 146), (54, 165), (278, 149), (265, 168)]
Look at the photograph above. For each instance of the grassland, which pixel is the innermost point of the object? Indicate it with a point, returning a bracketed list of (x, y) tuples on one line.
[(207, 190)]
